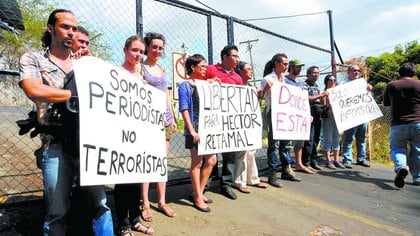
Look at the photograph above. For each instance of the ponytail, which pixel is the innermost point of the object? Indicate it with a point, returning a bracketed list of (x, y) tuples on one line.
[(269, 66)]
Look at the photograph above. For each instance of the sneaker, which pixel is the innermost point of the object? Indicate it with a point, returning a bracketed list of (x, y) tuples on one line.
[(402, 172), (347, 165), (364, 163), (330, 165), (339, 165)]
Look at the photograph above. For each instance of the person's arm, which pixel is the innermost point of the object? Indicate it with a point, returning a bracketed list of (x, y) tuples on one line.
[(32, 84), (37, 91), (188, 125), (369, 87), (171, 109), (320, 96)]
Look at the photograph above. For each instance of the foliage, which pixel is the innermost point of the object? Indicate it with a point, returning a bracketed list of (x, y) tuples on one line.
[(385, 67), (35, 15), (380, 147), (378, 91)]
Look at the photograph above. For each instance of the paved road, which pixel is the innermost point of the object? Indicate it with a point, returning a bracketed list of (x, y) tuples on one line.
[(361, 201)]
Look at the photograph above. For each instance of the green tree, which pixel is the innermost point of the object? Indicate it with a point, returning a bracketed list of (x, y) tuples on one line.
[(384, 68), (35, 15)]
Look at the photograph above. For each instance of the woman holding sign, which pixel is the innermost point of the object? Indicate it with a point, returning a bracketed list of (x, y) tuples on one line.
[(154, 74), (329, 129), (127, 196), (189, 108), (246, 170)]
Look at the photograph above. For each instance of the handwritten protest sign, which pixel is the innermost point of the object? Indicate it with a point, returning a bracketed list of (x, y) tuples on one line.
[(290, 112), (352, 104), (230, 118), (122, 138)]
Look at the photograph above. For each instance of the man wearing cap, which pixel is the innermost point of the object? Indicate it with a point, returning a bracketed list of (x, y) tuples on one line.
[(295, 66), (309, 153)]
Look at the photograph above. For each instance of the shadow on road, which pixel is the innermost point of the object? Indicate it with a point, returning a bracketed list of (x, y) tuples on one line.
[(358, 176)]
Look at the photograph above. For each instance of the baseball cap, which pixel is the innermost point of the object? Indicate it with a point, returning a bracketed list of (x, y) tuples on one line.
[(296, 62)]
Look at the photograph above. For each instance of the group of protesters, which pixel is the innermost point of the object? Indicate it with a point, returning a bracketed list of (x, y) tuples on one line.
[(48, 80)]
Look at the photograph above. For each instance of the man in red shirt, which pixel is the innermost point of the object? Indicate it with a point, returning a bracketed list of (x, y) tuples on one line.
[(224, 72)]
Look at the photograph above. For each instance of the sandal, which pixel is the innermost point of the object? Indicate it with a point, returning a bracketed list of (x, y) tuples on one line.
[(304, 169), (260, 185), (167, 211), (143, 229), (244, 189), (126, 232), (146, 214)]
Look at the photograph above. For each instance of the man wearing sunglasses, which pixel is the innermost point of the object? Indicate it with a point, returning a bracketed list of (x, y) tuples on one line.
[(358, 132)]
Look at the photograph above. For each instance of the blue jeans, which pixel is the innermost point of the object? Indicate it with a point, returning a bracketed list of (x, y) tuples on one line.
[(358, 132), (399, 137), (330, 133), (59, 172), (278, 150)]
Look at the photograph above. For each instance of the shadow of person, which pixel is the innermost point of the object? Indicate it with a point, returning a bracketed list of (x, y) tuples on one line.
[(358, 176)]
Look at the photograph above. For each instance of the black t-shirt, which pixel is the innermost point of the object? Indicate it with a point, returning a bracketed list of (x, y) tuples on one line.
[(403, 96)]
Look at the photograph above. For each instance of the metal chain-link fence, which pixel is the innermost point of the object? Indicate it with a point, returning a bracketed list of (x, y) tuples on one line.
[(187, 29), (18, 171)]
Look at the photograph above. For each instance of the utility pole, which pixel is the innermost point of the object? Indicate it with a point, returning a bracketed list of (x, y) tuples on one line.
[(249, 49)]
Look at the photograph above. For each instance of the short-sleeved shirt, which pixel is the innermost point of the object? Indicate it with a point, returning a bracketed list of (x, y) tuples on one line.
[(225, 76), (313, 90), (293, 82), (404, 98), (272, 77), (39, 65), (189, 100)]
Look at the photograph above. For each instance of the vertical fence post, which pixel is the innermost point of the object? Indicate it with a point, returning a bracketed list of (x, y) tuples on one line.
[(139, 17), (333, 64), (230, 34), (209, 40)]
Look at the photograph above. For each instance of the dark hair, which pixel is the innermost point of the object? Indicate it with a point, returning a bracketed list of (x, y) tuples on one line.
[(326, 80), (240, 66), (309, 70), (52, 20), (193, 61), (150, 36), (407, 69), (82, 30), (132, 38), (226, 51), (269, 66)]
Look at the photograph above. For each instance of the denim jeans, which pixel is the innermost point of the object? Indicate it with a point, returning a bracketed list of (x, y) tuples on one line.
[(358, 132), (278, 150), (399, 137), (59, 172), (330, 133)]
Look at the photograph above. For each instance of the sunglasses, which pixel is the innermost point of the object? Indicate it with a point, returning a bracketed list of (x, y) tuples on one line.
[(357, 71)]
